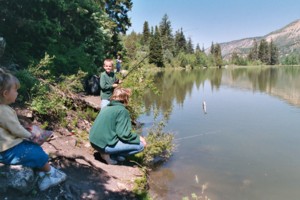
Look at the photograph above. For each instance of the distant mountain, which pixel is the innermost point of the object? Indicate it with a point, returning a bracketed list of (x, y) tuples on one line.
[(287, 39)]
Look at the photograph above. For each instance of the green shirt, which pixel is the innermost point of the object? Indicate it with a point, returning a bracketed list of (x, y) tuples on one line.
[(106, 84), (111, 125)]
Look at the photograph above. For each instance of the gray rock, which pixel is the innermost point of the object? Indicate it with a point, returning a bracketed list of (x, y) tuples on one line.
[(17, 177)]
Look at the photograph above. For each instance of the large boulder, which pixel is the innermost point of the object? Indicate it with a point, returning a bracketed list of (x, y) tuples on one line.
[(16, 177), (2, 46)]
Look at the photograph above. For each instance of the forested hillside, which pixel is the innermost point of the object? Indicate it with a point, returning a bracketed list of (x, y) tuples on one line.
[(287, 39)]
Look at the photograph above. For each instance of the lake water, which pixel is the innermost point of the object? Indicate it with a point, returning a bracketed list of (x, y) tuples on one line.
[(247, 146)]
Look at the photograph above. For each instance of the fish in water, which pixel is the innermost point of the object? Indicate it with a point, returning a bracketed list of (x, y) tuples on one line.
[(204, 107)]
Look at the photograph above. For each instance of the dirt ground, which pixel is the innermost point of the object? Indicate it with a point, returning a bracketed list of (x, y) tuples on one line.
[(89, 177)]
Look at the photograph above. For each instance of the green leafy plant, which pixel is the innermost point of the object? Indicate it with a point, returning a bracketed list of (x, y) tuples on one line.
[(47, 102), (159, 148)]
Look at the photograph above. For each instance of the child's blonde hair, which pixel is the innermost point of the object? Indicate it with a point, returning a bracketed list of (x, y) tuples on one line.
[(7, 81), (108, 60), (121, 94)]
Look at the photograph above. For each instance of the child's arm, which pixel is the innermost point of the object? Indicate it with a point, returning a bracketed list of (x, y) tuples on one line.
[(9, 121), (104, 83)]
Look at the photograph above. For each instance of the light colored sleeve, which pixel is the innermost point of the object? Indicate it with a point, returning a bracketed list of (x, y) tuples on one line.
[(10, 122)]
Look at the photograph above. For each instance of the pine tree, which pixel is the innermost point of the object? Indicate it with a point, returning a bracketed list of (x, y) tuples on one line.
[(212, 48), (198, 48), (263, 51), (218, 55), (117, 11), (274, 54), (165, 30), (146, 33), (155, 54), (180, 42), (253, 54), (189, 46)]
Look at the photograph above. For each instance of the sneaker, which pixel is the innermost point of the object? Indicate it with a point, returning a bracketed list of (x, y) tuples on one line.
[(118, 158), (121, 158), (107, 159), (49, 180)]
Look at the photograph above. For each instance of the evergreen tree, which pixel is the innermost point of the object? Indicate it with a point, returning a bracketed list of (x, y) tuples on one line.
[(68, 30), (152, 31), (253, 54), (180, 42), (218, 55), (146, 32), (203, 50), (198, 48), (189, 46), (263, 51), (234, 58), (274, 54), (156, 54), (165, 30), (212, 48), (117, 11)]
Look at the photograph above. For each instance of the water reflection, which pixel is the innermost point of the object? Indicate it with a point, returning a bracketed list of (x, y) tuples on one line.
[(176, 85), (246, 147)]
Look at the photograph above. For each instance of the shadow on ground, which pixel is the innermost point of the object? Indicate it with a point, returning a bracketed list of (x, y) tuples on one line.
[(84, 182)]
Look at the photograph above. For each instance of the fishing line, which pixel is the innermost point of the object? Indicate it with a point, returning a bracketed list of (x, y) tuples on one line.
[(197, 135)]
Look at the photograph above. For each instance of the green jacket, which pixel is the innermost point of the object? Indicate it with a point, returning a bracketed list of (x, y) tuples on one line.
[(106, 84), (111, 125)]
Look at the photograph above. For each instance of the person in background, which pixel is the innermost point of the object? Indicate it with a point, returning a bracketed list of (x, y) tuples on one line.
[(16, 146), (111, 133), (119, 61), (108, 82)]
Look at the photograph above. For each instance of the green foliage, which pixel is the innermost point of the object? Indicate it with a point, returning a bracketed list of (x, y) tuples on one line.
[(165, 30), (72, 83), (155, 50), (131, 43), (27, 82), (274, 54), (160, 146), (140, 187), (238, 60), (292, 59), (138, 81), (42, 69), (48, 103), (263, 51), (180, 42), (146, 33), (189, 46), (77, 34), (253, 54), (266, 53), (216, 54)]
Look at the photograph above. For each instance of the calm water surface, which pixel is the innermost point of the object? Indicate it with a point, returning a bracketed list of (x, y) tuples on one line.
[(247, 145)]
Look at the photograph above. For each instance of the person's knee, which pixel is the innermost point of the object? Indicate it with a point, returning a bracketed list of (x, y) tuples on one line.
[(141, 147)]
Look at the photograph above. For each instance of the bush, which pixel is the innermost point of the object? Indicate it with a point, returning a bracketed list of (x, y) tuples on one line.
[(159, 148), (27, 82)]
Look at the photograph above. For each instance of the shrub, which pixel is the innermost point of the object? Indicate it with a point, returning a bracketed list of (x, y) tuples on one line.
[(159, 148), (27, 82)]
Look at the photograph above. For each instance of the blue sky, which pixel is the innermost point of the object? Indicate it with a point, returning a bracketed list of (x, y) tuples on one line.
[(207, 21)]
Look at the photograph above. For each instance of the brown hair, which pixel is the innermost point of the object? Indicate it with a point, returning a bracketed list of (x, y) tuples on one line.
[(121, 94), (7, 81)]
